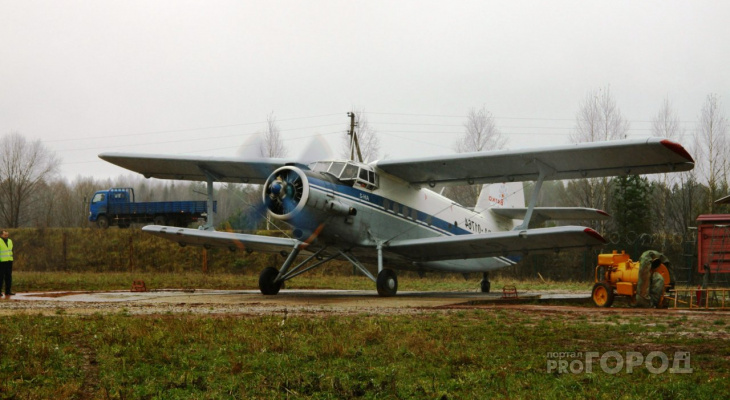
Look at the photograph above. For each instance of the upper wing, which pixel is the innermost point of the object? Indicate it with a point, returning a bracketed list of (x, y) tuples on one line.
[(585, 160), (230, 240), (197, 168), (724, 200), (497, 243)]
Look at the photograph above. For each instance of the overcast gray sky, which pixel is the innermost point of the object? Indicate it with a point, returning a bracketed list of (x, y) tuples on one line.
[(198, 77)]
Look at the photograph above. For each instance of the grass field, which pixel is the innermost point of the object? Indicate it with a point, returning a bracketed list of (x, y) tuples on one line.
[(453, 354)]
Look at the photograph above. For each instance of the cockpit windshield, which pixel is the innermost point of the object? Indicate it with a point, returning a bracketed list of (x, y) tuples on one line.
[(350, 172)]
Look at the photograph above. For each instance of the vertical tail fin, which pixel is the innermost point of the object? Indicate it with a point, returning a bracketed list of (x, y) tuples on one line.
[(504, 195)]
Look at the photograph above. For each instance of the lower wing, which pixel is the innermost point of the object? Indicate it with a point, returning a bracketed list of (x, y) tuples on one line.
[(497, 244), (230, 240)]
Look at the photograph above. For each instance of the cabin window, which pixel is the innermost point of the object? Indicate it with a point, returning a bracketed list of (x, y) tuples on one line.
[(405, 211), (414, 214), (98, 197), (386, 204)]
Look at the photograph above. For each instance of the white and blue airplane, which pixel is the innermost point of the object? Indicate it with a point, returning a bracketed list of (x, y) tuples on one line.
[(384, 213)]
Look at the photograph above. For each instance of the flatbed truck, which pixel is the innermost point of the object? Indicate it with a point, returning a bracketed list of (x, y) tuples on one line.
[(116, 206)]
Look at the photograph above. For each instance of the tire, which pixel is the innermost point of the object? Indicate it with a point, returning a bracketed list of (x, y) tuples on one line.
[(602, 295), (267, 286), (159, 220), (387, 283), (102, 222)]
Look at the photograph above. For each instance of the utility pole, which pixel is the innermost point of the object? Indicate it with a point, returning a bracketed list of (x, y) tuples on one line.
[(354, 145)]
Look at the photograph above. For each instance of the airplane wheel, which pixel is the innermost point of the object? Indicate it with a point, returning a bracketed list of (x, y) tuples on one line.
[(387, 283), (267, 286), (102, 222), (602, 295)]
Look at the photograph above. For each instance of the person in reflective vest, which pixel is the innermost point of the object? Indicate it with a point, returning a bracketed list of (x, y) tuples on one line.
[(6, 263)]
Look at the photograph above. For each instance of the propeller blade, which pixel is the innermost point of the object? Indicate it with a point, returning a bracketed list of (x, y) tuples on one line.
[(316, 150), (251, 147)]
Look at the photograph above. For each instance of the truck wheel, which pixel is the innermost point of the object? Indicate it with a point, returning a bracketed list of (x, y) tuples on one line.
[(102, 222), (602, 295), (159, 220)]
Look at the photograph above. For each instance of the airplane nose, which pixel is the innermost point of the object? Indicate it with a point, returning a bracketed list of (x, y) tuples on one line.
[(275, 188)]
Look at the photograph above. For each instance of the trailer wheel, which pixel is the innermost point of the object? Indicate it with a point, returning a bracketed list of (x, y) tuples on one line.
[(159, 220), (102, 222), (602, 295)]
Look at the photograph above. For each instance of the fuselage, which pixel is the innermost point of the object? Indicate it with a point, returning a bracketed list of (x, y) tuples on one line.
[(361, 209)]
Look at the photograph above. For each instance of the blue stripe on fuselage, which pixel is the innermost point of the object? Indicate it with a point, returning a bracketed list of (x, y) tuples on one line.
[(378, 202)]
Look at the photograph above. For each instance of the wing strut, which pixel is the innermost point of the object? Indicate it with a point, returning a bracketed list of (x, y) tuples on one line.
[(545, 171), (357, 265), (210, 177)]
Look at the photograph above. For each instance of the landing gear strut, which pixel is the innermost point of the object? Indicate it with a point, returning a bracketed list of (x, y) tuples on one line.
[(485, 284)]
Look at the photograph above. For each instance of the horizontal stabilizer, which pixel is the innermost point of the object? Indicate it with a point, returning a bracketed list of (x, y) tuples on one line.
[(495, 244), (541, 214)]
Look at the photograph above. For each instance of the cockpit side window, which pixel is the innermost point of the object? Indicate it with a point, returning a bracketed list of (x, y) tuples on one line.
[(350, 172)]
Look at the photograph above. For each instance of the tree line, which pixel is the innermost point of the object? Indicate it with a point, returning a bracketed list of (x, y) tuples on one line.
[(33, 195)]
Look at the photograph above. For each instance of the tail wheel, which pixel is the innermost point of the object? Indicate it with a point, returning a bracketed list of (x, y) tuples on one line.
[(267, 284), (602, 295), (387, 283)]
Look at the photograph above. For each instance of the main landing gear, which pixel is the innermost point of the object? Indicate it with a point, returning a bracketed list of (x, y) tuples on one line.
[(387, 283), (485, 284), (272, 279)]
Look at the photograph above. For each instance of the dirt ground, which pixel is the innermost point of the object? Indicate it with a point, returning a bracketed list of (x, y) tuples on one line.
[(312, 302)]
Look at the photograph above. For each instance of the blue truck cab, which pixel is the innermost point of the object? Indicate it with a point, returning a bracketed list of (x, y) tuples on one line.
[(117, 206)]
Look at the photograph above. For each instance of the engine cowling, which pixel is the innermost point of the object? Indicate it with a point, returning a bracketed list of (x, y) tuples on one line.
[(286, 192)]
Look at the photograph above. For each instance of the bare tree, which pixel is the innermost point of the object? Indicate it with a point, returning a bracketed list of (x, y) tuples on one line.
[(367, 138), (24, 168), (711, 145), (598, 119), (272, 146), (666, 124), (480, 134)]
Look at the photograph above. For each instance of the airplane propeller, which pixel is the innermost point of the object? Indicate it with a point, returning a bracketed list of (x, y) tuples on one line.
[(285, 192)]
